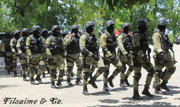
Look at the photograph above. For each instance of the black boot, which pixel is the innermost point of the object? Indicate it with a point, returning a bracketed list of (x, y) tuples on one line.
[(126, 81), (105, 87), (69, 82), (136, 95), (122, 83), (92, 82), (110, 81), (24, 77), (39, 79), (146, 91), (15, 73), (78, 82), (163, 86), (59, 84), (53, 84), (32, 81), (44, 76), (85, 91), (158, 91)]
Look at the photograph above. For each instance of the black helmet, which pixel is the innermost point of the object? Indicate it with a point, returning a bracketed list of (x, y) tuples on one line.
[(89, 23), (45, 33), (142, 23), (36, 27), (74, 27), (162, 21), (125, 25), (25, 32), (44, 30), (54, 27), (64, 32), (109, 23), (49, 32), (17, 34)]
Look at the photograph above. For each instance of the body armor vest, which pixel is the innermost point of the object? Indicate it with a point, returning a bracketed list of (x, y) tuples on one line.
[(127, 42), (56, 46), (14, 44), (35, 44), (73, 47), (7, 45), (23, 44), (91, 44), (111, 43)]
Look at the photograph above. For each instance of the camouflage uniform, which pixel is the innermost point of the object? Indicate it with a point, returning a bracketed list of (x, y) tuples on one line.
[(73, 54), (34, 50), (14, 50), (21, 47), (5, 48), (125, 53), (140, 44), (55, 53), (163, 57), (90, 52)]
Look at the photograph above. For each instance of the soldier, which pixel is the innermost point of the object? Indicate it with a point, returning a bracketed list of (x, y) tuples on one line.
[(14, 50), (71, 42), (163, 58), (6, 49), (141, 59), (90, 52), (21, 47), (34, 50), (55, 53), (125, 53), (108, 45)]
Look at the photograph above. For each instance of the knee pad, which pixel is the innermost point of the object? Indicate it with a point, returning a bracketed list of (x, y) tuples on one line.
[(123, 69), (120, 68), (151, 72), (80, 68), (172, 70), (101, 70), (106, 73), (131, 68), (86, 66), (61, 74), (24, 66), (42, 67), (53, 73), (137, 76), (32, 69), (86, 75), (69, 69)]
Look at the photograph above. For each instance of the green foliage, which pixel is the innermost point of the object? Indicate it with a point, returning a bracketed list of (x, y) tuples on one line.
[(171, 37)]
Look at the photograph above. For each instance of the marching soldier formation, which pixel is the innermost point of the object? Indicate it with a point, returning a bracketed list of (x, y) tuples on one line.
[(49, 50)]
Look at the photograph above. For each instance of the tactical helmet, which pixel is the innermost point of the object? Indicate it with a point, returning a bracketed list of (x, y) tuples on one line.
[(125, 25), (44, 30), (89, 23), (74, 27), (25, 30), (36, 27), (162, 21), (109, 23), (50, 32), (142, 23), (16, 31), (64, 32), (54, 27)]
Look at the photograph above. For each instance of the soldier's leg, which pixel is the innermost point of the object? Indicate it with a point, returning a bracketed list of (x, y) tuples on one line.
[(79, 63), (122, 75), (52, 66), (92, 70), (32, 67), (61, 66), (40, 70), (23, 68), (86, 76), (8, 62), (130, 64), (14, 65), (70, 64), (105, 77)]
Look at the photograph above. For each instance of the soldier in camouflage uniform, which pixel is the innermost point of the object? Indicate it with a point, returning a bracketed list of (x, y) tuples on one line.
[(6, 49), (163, 57), (71, 42), (14, 50), (108, 45), (55, 53), (90, 52), (34, 50), (125, 53), (140, 44), (21, 47)]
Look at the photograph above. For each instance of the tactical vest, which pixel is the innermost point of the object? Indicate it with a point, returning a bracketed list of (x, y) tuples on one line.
[(14, 44), (127, 42), (35, 44), (111, 43), (91, 44), (23, 44), (73, 47), (164, 41), (56, 46), (7, 45)]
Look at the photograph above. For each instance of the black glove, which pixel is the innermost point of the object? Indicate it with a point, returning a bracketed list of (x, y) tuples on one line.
[(170, 44), (21, 56), (112, 58), (128, 56), (165, 59), (30, 58), (96, 57), (146, 59), (51, 58)]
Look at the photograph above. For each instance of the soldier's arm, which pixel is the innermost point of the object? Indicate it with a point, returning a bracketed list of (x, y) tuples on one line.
[(2, 46), (157, 43), (103, 40), (67, 40), (82, 45), (18, 45), (136, 44), (11, 45), (48, 42), (120, 44), (28, 41)]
